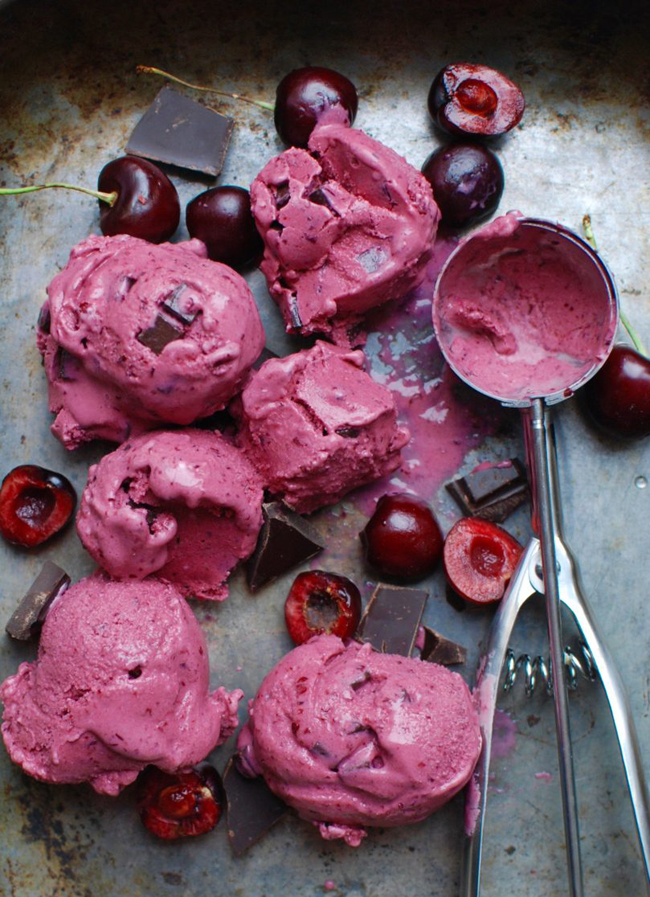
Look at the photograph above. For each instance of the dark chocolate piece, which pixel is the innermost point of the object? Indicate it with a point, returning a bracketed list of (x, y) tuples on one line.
[(160, 335), (348, 432), (285, 540), (252, 808), (438, 649), (492, 493), (180, 131), (25, 621), (171, 306), (392, 618)]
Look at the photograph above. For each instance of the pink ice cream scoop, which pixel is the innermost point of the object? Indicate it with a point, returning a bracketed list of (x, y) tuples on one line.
[(347, 225), (316, 425), (134, 334), (185, 505), (351, 737), (121, 681)]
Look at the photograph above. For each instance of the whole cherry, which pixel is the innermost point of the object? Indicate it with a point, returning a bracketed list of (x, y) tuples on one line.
[(480, 558), (402, 539), (221, 217), (474, 100), (182, 804), (305, 95), (467, 182), (617, 397), (320, 602), (35, 504), (135, 198)]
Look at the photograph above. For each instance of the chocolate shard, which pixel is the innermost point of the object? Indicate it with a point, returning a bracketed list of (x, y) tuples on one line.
[(438, 649), (171, 306), (182, 132), (26, 620), (160, 335), (251, 807), (493, 492), (286, 540), (392, 619)]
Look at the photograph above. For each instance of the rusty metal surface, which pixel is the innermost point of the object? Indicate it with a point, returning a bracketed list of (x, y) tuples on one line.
[(69, 97)]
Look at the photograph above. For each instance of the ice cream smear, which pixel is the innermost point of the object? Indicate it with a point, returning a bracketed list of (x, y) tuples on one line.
[(183, 504), (347, 225), (135, 334), (121, 681), (523, 309), (351, 737)]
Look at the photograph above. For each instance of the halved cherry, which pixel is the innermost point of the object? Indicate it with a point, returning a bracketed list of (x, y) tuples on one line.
[(479, 559), (35, 503), (320, 602), (182, 804)]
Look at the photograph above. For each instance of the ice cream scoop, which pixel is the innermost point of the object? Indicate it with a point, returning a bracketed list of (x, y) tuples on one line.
[(351, 737), (121, 681), (524, 308), (184, 504), (134, 334), (316, 425), (347, 225)]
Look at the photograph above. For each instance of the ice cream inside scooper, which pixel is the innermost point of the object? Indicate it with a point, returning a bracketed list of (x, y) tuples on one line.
[(524, 310)]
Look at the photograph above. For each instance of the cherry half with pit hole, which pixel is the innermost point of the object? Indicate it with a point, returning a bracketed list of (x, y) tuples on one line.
[(35, 504), (320, 602), (474, 100), (182, 804), (480, 559)]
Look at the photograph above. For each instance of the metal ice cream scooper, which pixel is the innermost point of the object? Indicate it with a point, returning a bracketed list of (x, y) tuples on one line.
[(525, 312)]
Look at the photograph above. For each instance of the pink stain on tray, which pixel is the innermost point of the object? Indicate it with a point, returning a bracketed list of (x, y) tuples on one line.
[(504, 734), (544, 776), (445, 417)]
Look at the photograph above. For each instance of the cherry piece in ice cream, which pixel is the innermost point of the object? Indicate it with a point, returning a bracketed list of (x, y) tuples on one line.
[(402, 538), (147, 204), (222, 219), (320, 603), (305, 95), (618, 396), (34, 505), (467, 182), (180, 805), (474, 100), (479, 559)]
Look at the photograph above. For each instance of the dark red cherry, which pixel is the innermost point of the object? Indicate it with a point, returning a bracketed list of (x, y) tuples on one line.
[(474, 100), (402, 539), (147, 204), (467, 182), (320, 602), (618, 396), (479, 559), (34, 505), (304, 95), (182, 804), (222, 219)]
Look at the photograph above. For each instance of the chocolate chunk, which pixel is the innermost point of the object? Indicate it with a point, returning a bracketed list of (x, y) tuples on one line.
[(285, 540), (252, 808), (438, 649), (492, 493), (348, 432), (180, 131), (320, 198), (25, 621), (66, 366), (160, 335), (392, 619), (282, 195), (171, 306)]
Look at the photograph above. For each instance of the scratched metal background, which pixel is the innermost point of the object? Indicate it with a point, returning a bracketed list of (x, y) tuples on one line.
[(68, 100)]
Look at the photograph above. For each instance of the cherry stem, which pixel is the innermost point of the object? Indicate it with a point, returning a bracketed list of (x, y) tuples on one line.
[(150, 70), (625, 321), (98, 194)]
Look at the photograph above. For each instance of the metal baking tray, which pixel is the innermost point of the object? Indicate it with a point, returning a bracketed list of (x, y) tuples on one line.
[(69, 97)]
